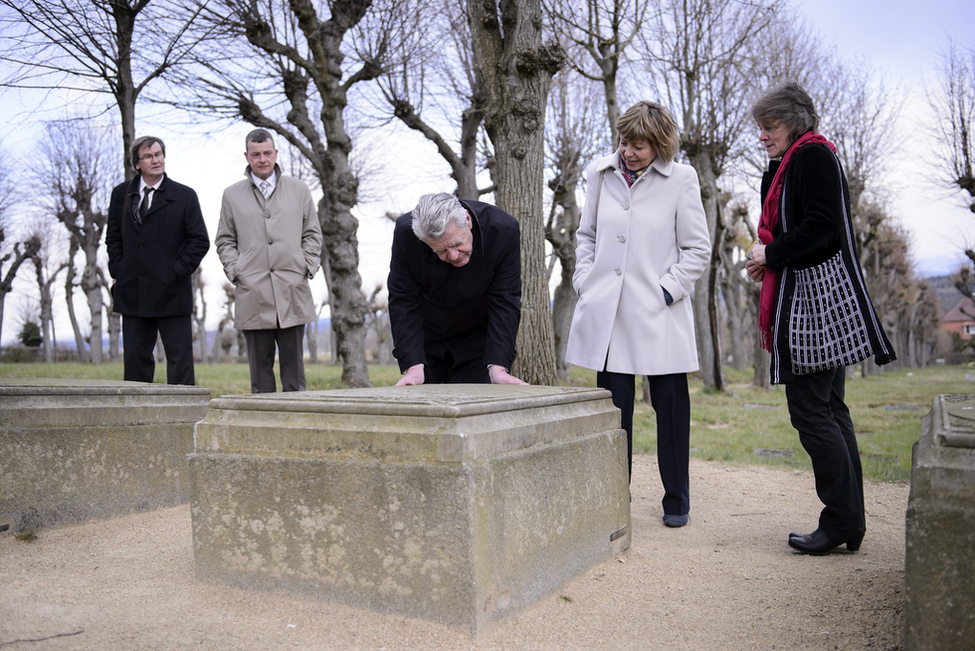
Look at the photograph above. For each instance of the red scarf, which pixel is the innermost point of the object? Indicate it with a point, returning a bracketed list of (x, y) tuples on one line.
[(766, 228)]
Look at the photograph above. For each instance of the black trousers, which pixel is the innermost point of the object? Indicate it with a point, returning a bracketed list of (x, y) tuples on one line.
[(139, 340), (260, 358), (820, 415), (465, 367), (672, 403)]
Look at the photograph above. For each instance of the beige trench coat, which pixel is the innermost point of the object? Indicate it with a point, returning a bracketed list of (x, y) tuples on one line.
[(638, 240), (269, 250)]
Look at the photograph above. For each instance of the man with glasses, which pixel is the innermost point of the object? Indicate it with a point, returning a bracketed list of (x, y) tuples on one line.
[(455, 292), (155, 238)]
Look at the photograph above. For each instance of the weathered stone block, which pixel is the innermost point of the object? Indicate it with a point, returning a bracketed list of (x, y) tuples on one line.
[(75, 450), (940, 533), (456, 503)]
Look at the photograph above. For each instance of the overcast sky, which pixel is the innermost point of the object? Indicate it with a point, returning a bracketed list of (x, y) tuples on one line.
[(905, 40), (902, 40)]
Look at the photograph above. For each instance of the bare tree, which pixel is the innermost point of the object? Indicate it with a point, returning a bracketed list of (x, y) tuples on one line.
[(701, 55), (573, 137), (517, 70), (19, 253), (226, 335), (285, 67), (114, 318), (432, 81), (73, 175), (115, 47), (378, 322), (12, 254), (45, 281), (200, 313), (905, 304), (600, 32), (953, 104)]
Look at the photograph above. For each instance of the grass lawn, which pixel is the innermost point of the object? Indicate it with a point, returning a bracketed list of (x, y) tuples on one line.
[(887, 409)]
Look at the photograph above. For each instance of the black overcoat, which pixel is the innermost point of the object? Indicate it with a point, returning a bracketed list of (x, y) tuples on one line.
[(471, 311), (152, 262), (814, 224)]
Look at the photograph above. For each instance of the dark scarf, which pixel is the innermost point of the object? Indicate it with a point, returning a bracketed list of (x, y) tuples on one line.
[(631, 175), (766, 230)]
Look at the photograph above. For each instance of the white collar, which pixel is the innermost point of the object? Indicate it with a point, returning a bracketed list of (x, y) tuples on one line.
[(272, 180)]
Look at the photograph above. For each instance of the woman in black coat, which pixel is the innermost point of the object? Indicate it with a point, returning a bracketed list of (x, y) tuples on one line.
[(815, 316)]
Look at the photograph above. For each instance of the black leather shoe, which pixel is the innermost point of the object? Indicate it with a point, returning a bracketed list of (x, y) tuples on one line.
[(820, 542)]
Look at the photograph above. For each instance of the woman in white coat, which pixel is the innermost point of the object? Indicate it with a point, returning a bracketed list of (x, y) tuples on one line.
[(642, 244)]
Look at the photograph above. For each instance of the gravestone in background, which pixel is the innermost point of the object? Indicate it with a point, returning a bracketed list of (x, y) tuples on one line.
[(940, 534), (75, 450)]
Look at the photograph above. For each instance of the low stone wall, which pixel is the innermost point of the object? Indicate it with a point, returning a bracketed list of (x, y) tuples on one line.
[(940, 533), (461, 504), (75, 450)]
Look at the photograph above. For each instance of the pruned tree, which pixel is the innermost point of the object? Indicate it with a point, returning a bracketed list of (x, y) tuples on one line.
[(113, 47), (573, 137), (517, 69), (289, 67), (114, 318), (905, 304), (200, 313), (226, 335), (701, 54), (74, 175), (12, 258), (378, 322), (597, 35), (953, 103), (433, 87), (46, 276)]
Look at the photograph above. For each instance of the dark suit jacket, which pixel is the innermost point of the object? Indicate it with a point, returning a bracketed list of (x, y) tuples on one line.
[(152, 262), (473, 311)]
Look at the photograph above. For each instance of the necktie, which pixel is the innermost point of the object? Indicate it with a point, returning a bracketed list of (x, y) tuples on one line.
[(265, 188), (144, 207)]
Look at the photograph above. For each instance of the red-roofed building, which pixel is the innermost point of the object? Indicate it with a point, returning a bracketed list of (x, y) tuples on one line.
[(961, 319)]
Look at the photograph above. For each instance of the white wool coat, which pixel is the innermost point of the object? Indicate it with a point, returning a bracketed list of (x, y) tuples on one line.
[(638, 241)]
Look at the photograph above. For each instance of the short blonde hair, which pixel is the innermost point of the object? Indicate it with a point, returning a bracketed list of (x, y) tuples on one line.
[(651, 123)]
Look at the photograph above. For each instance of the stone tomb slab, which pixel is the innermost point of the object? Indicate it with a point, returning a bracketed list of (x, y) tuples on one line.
[(460, 504), (939, 561), (73, 450)]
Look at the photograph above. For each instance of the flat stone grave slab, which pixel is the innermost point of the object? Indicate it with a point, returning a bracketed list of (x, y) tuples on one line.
[(460, 504), (73, 450)]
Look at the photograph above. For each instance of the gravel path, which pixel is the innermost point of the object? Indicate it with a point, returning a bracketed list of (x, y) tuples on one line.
[(728, 580)]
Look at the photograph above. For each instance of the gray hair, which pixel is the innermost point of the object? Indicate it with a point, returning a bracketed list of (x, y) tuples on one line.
[(434, 212), (787, 103)]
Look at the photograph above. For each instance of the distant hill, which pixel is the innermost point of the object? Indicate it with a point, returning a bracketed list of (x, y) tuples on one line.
[(944, 288)]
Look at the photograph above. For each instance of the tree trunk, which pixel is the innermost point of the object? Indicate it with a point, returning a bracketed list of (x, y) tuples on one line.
[(706, 324), (69, 286), (6, 284), (517, 70), (200, 315), (93, 293), (340, 256), (47, 308)]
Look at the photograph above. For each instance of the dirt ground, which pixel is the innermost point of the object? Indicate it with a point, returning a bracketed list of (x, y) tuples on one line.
[(728, 580)]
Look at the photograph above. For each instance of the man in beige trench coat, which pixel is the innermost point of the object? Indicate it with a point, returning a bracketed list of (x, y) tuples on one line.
[(270, 242)]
